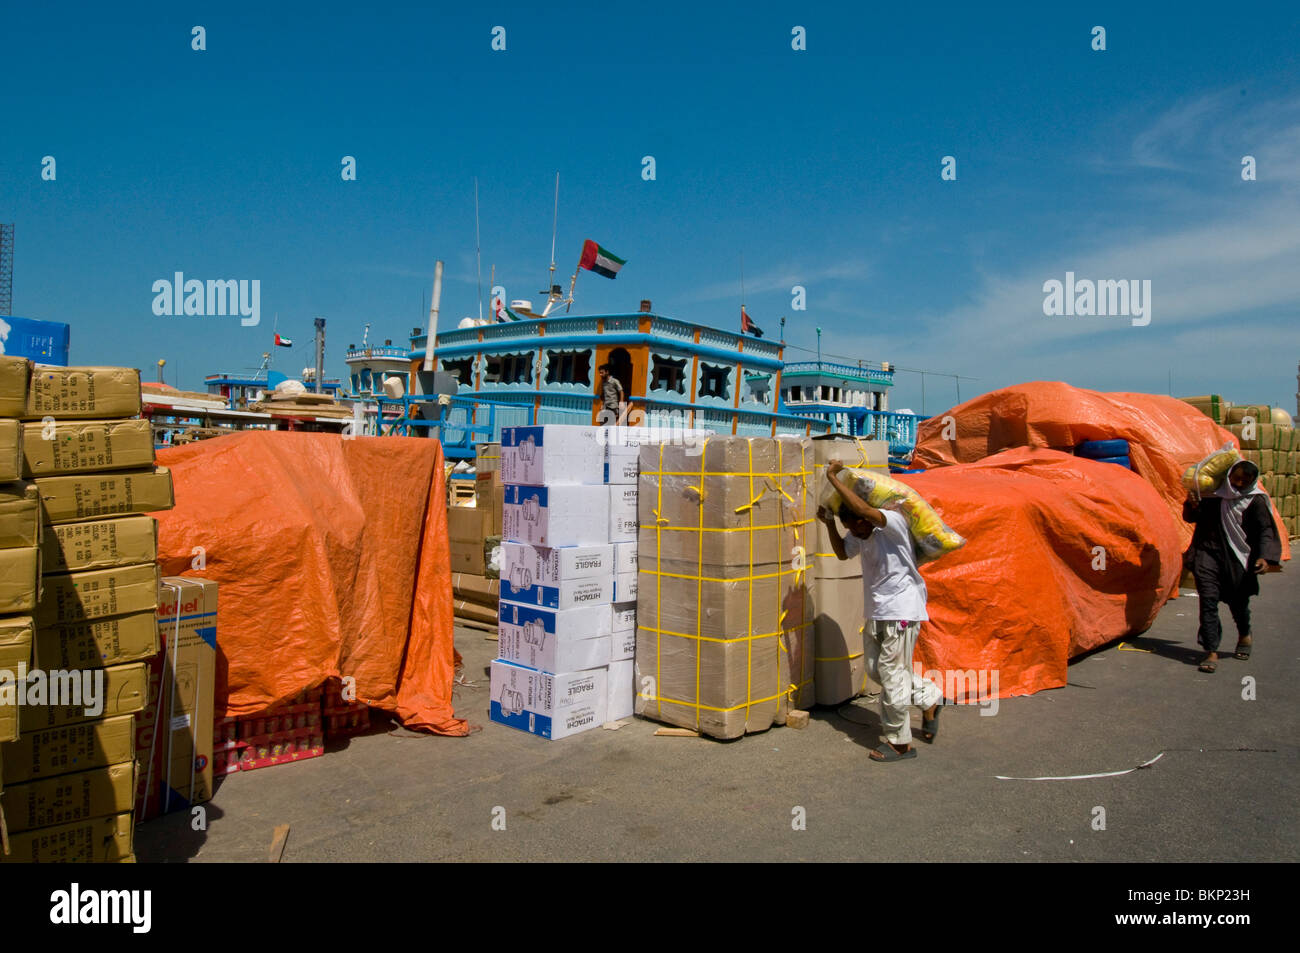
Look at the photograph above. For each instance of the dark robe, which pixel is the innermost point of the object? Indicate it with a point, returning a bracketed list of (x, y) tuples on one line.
[(1209, 538)]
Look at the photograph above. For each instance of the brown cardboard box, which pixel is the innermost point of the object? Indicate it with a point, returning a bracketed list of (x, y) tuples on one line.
[(100, 544), (20, 515), (84, 446), (490, 496), (487, 457), (16, 640), (725, 504), (98, 840), (63, 750), (64, 392), (15, 651), (179, 714), (97, 593), (99, 643), (15, 375), (11, 450), (466, 528), (20, 579), (123, 690), (467, 557), (90, 495), (873, 454), (725, 604), (841, 671), (71, 797)]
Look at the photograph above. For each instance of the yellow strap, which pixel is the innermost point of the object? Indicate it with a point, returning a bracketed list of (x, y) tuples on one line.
[(718, 639)]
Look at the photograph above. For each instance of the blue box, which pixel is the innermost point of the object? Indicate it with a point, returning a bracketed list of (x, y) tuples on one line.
[(44, 342)]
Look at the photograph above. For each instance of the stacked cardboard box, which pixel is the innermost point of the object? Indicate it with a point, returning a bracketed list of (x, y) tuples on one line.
[(557, 582), (72, 772), (725, 609), (1276, 451), (841, 671)]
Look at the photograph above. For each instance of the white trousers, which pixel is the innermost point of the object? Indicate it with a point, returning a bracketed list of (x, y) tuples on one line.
[(889, 649)]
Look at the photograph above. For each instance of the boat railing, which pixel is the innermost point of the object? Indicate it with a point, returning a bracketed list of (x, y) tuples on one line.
[(867, 370), (897, 429)]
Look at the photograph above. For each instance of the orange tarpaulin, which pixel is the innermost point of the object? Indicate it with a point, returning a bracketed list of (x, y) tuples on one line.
[(1062, 555), (1165, 434), (332, 560)]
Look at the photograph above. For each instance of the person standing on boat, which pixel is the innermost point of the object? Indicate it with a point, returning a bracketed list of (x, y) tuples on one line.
[(611, 397), (1235, 540), (894, 598)]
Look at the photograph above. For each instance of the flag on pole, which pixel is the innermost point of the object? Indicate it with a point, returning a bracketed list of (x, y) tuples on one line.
[(597, 259), (747, 326), (281, 341)]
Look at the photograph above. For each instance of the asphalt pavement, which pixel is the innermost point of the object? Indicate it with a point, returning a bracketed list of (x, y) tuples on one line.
[(1222, 787)]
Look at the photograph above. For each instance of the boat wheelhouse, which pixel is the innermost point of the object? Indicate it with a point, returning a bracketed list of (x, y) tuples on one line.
[(673, 372)]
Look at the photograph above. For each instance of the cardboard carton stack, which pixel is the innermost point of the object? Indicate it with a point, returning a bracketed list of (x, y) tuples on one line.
[(72, 772), (557, 582), (841, 671), (474, 531), (725, 609), (1276, 451)]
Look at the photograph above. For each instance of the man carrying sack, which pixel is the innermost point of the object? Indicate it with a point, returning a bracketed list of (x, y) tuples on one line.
[(894, 603)]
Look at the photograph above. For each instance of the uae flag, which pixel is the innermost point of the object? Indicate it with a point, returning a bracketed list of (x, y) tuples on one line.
[(282, 341), (747, 326), (597, 259)]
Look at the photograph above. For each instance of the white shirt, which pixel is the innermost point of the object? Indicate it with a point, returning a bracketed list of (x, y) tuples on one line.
[(892, 587)]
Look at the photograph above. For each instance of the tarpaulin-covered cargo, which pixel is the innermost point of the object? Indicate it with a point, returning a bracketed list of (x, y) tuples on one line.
[(1063, 555), (332, 558), (1165, 435), (725, 601)]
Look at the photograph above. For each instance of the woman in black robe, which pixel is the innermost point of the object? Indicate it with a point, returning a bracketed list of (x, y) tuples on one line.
[(1235, 540)]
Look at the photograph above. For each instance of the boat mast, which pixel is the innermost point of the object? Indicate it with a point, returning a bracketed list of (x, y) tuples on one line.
[(478, 251)]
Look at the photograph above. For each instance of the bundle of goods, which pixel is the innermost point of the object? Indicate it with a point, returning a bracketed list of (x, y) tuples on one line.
[(1105, 451), (840, 662), (930, 534), (79, 561), (1207, 475), (281, 734), (1275, 449), (725, 610), (341, 713)]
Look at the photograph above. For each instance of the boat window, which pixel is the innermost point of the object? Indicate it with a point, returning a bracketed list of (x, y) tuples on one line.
[(462, 370), (714, 380), (668, 374), (759, 386), (509, 369), (795, 392), (568, 367)]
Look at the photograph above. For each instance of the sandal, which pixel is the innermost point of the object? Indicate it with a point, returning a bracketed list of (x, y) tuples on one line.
[(1242, 651), (888, 752), (1207, 666), (930, 726)]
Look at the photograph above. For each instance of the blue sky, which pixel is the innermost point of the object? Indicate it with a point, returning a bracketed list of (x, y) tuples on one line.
[(821, 167)]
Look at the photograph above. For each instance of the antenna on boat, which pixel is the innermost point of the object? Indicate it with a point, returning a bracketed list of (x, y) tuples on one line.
[(552, 290), (478, 250)]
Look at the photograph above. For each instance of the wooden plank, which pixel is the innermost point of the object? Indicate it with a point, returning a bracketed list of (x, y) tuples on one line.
[(277, 843)]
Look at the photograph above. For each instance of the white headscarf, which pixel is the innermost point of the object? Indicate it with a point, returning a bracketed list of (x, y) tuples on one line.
[(1234, 507)]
